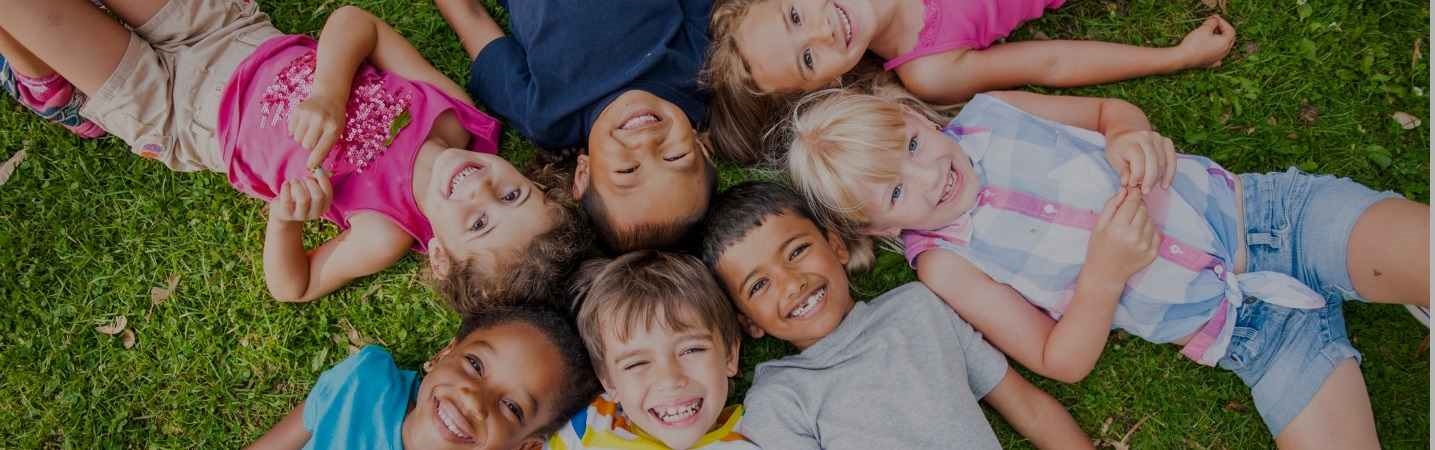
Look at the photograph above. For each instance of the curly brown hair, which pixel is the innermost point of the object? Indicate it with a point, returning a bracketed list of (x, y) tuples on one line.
[(532, 274)]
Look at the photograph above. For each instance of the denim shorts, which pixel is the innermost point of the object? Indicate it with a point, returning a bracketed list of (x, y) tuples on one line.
[(1297, 224)]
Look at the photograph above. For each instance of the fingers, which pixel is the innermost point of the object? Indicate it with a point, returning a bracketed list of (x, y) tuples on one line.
[(1126, 212), (1136, 161), (1170, 152), (1154, 166), (316, 199), (1110, 209), (326, 141)]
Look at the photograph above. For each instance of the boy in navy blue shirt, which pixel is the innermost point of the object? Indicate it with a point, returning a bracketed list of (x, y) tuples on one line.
[(616, 76)]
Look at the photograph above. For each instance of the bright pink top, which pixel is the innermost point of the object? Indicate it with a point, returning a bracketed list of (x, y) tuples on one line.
[(370, 167), (953, 24)]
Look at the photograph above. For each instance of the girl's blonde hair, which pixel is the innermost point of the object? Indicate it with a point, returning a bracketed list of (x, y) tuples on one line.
[(742, 116), (839, 140)]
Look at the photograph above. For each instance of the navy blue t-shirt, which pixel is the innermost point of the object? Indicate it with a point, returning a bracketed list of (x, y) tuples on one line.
[(565, 60)]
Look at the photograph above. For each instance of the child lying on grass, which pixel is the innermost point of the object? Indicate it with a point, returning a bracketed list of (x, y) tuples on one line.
[(357, 129), (510, 377), (900, 371)]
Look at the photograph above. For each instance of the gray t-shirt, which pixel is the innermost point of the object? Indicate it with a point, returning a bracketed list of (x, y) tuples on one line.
[(902, 371)]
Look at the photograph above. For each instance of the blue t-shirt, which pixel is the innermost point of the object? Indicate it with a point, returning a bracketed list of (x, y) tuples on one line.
[(566, 60), (360, 403)]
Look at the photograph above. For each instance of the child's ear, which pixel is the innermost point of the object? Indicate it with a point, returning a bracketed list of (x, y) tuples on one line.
[(750, 326), (532, 443), (439, 262), (839, 247), (581, 174), (607, 386), (428, 365), (733, 357)]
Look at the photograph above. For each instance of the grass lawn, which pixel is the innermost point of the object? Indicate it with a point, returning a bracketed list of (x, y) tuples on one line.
[(87, 229)]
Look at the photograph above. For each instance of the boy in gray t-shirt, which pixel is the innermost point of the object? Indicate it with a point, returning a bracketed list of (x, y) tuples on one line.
[(901, 371)]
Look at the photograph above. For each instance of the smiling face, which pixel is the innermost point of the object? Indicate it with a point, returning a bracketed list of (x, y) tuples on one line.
[(645, 162), (804, 45), (935, 184), (492, 390), (478, 203), (672, 384), (787, 278)]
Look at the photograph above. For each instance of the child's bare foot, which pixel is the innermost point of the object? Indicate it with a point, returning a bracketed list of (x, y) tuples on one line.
[(52, 98), (1208, 44)]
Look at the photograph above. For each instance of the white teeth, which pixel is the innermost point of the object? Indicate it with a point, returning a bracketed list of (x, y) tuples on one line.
[(846, 24), (639, 121), (453, 185), (672, 414), (450, 423), (809, 304)]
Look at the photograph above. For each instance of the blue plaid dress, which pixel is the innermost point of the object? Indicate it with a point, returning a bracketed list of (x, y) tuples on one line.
[(1043, 187)]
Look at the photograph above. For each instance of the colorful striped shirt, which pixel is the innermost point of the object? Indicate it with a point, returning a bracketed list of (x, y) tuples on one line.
[(603, 425), (1043, 186)]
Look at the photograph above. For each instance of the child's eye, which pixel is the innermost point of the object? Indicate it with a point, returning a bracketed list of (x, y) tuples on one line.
[(896, 194), (675, 158), (794, 17), (635, 365), (797, 251), (756, 286), (628, 170), (514, 409), (912, 145), (480, 223), (692, 350), (511, 195), (474, 363), (807, 58)]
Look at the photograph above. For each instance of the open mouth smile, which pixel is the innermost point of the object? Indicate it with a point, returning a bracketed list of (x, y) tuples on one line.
[(846, 25), (459, 176), (640, 119), (452, 424), (809, 304), (678, 415)]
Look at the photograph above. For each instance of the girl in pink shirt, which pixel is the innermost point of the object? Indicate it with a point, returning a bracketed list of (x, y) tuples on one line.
[(765, 50), (356, 128)]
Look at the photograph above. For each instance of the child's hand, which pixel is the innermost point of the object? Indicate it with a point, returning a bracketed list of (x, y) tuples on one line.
[(1124, 240), (1143, 158), (316, 124), (302, 199), (1208, 44)]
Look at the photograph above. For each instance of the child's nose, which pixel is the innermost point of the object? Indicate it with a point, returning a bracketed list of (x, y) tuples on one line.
[(671, 375)]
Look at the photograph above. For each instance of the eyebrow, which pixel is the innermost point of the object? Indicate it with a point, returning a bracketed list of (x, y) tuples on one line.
[(754, 271)]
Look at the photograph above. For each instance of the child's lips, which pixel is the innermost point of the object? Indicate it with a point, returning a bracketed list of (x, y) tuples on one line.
[(459, 176), (641, 119), (952, 186), (809, 304)]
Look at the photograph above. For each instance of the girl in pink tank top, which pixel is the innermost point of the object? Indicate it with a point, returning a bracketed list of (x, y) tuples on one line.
[(764, 51), (357, 129)]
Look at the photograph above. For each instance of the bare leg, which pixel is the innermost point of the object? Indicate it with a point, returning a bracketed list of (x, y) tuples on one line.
[(136, 12), (21, 60), (37, 26), (1338, 417), (1389, 249)]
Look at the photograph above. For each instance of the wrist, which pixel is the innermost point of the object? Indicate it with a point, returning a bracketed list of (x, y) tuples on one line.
[(1095, 280), (1177, 58)]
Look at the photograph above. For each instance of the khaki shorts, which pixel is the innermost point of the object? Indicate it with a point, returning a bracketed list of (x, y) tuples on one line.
[(164, 96)]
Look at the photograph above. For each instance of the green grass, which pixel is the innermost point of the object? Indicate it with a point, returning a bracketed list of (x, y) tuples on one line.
[(86, 229)]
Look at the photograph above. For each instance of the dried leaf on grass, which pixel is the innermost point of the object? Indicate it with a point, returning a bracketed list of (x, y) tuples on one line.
[(1125, 442), (127, 338), (158, 295), (8, 168), (1309, 113), (1219, 5), (115, 326), (1236, 406), (1406, 120)]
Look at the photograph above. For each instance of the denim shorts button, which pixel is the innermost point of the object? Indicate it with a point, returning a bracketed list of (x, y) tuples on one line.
[(1251, 299)]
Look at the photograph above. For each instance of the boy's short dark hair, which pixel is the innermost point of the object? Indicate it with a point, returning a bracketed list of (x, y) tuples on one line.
[(579, 386), (650, 288), (529, 274), (658, 236), (741, 208)]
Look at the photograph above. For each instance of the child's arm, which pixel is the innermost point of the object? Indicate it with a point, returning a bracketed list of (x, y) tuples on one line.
[(371, 244), (1123, 242), (957, 76), (1035, 414), (468, 19), (350, 36), (289, 433)]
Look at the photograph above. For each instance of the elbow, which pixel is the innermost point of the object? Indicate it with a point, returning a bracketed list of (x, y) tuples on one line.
[(348, 15), (1069, 372), (289, 294)]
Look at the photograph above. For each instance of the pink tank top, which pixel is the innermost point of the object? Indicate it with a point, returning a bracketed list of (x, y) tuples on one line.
[(952, 24), (371, 167)]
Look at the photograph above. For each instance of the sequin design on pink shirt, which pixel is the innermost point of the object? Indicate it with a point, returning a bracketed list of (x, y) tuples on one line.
[(928, 35), (369, 114)]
